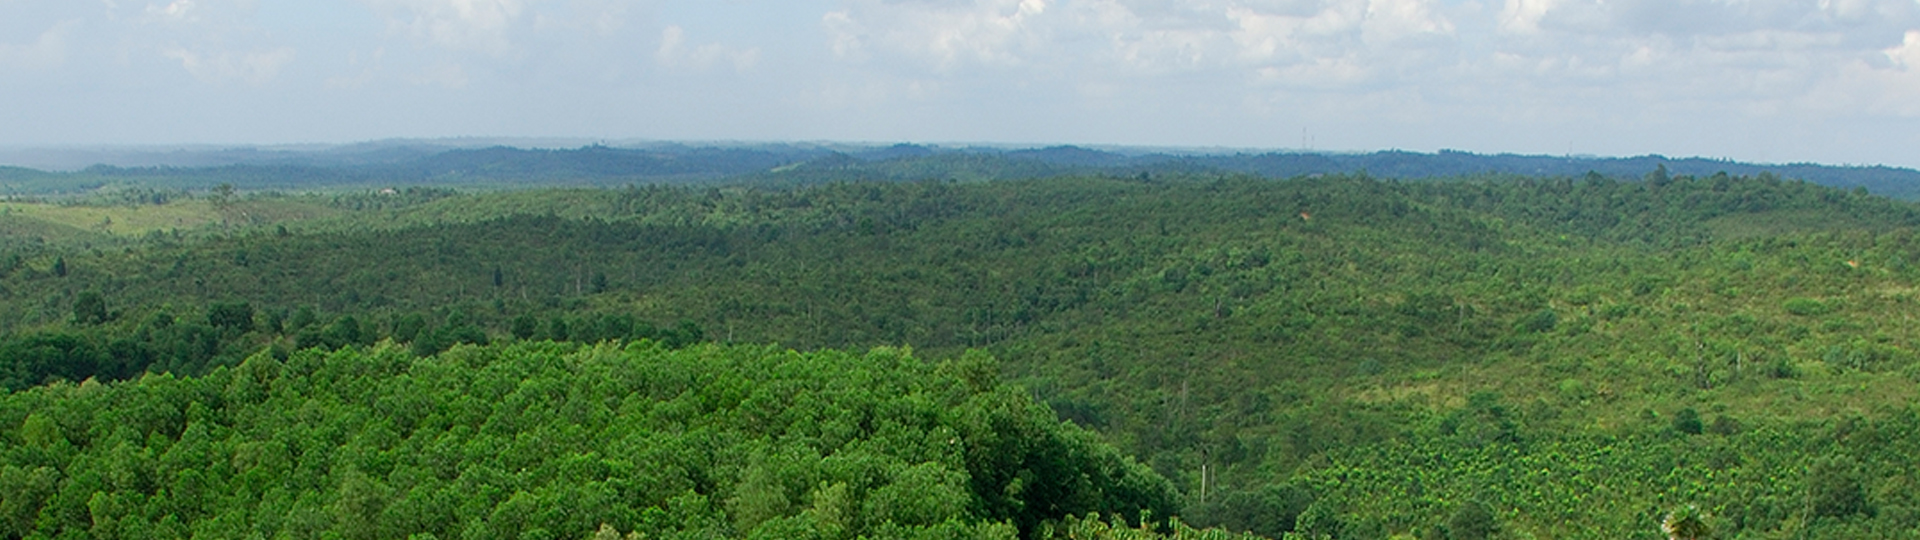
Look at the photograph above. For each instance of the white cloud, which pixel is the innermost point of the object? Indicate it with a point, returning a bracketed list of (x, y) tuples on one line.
[(1672, 76), (479, 25), (1486, 69), (49, 50), (177, 10), (220, 15), (253, 67), (1142, 37), (945, 34), (675, 52), (1523, 16), (1907, 54)]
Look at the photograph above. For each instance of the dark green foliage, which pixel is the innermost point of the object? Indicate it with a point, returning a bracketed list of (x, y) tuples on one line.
[(1472, 521), (343, 331), (1269, 511), (1321, 521), (1659, 178), (37, 358), (1782, 369), (1539, 321), (231, 316), (455, 331), (408, 326), (1724, 425), (1485, 420), (525, 326), (276, 321), (1687, 422), (89, 308), (1833, 488), (1805, 307), (1027, 471), (302, 318)]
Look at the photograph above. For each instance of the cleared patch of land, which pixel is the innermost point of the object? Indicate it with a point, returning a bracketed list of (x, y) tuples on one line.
[(134, 220)]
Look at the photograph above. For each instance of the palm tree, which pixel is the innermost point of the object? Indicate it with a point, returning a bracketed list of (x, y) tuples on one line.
[(1686, 523)]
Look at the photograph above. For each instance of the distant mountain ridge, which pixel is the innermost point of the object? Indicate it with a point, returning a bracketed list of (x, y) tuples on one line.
[(422, 163)]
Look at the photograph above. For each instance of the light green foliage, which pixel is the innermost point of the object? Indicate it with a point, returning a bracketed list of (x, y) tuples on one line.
[(1091, 527), (1686, 523), (552, 440)]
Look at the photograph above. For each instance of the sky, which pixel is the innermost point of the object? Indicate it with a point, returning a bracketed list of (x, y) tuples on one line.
[(1829, 81)]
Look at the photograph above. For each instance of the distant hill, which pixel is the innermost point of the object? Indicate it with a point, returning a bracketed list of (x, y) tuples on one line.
[(413, 163), (1889, 181)]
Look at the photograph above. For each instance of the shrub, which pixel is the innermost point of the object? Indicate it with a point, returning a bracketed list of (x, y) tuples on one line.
[(1833, 488), (1806, 307), (1687, 421), (1471, 521)]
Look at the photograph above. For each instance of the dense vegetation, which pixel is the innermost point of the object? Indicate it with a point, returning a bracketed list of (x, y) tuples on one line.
[(1337, 356), (551, 441)]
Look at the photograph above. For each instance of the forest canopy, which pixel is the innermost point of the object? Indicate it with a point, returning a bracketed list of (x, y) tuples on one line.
[(1341, 356), (542, 440)]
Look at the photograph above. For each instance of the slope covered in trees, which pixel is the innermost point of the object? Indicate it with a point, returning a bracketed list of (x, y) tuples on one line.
[(1340, 355), (422, 163), (556, 441)]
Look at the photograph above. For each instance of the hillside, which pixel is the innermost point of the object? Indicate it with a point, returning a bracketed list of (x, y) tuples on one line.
[(1339, 355), (427, 163), (547, 441)]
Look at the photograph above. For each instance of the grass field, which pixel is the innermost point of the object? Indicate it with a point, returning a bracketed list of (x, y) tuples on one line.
[(135, 220)]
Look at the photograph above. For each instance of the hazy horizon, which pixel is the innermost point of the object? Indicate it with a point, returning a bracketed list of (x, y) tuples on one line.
[(70, 158), (1761, 81)]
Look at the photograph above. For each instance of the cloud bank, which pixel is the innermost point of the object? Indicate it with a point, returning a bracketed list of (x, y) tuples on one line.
[(1776, 80)]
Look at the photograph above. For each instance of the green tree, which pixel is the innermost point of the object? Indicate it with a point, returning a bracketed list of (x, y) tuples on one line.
[(89, 308), (1269, 511), (1320, 521), (1686, 523), (302, 318), (1687, 421), (235, 317), (1472, 521), (1833, 488), (407, 327), (1543, 320), (525, 326)]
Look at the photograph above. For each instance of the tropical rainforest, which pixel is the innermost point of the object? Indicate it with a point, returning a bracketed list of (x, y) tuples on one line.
[(1166, 353)]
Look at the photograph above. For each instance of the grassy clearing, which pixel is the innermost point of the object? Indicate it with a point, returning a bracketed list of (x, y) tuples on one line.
[(118, 220), (134, 220), (19, 229)]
